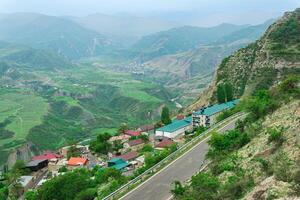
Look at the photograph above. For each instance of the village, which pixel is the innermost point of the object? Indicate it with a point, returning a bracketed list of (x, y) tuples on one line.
[(128, 149)]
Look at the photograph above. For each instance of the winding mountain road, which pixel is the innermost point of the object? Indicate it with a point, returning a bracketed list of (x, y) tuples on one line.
[(159, 185)]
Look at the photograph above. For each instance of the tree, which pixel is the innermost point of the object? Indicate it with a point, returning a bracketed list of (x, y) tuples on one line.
[(178, 189), (165, 116), (228, 92), (73, 152), (117, 145), (101, 144), (123, 128), (221, 96), (205, 185), (66, 186)]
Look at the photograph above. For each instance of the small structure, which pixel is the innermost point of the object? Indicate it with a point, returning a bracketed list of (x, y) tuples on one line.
[(55, 164), (206, 116), (146, 128), (175, 129), (117, 163), (75, 162), (134, 144), (36, 165), (48, 156), (129, 156), (164, 144), (132, 133), (122, 138)]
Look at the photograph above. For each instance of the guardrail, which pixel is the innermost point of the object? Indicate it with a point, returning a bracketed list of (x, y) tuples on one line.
[(145, 175)]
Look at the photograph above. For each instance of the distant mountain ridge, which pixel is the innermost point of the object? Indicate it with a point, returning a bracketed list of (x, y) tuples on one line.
[(124, 24), (189, 37), (58, 34)]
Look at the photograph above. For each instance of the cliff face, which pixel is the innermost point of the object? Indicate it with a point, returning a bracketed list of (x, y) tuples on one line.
[(261, 64)]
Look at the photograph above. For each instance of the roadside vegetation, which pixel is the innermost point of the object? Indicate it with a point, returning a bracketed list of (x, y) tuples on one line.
[(227, 176)]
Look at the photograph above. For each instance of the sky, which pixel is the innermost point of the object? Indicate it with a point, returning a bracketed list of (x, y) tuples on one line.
[(202, 12)]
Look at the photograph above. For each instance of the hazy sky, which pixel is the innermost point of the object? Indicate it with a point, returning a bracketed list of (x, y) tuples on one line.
[(204, 12)]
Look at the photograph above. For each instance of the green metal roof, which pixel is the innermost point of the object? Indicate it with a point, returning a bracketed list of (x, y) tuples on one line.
[(211, 110), (120, 166), (117, 160), (176, 124)]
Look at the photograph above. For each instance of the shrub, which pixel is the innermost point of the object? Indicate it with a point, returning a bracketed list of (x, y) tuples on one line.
[(276, 135), (282, 167), (205, 185)]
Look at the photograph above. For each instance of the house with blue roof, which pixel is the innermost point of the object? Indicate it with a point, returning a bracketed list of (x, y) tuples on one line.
[(206, 116), (117, 163), (175, 129)]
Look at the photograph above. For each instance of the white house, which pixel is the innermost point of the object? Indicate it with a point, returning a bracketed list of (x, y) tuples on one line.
[(207, 116), (175, 129)]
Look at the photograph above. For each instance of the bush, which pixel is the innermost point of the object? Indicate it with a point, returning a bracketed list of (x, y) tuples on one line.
[(236, 187), (282, 167), (265, 165), (275, 135), (225, 143), (205, 185)]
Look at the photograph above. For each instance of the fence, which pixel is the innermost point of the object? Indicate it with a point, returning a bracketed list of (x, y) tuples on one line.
[(145, 175)]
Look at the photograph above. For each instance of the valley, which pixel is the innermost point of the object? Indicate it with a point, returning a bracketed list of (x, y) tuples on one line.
[(82, 80)]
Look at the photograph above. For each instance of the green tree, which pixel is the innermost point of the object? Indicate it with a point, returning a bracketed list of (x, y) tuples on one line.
[(101, 144), (228, 91), (178, 189), (221, 96), (165, 116), (66, 186), (123, 127), (88, 194), (205, 186)]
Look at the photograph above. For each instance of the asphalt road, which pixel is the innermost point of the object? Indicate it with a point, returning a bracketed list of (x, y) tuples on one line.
[(158, 186)]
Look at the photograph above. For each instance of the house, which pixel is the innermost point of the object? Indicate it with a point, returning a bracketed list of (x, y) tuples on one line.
[(164, 144), (36, 165), (134, 144), (75, 162), (117, 163), (129, 156), (207, 116), (146, 128), (122, 138), (132, 133), (55, 164), (47, 156), (175, 129)]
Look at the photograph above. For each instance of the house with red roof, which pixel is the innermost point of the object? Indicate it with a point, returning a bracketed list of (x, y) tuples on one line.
[(48, 156), (75, 162), (164, 144), (134, 144), (132, 133), (129, 156)]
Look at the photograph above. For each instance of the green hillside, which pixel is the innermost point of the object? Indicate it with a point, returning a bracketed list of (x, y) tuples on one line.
[(31, 58)]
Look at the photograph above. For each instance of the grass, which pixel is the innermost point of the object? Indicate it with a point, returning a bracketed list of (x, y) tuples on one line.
[(26, 111)]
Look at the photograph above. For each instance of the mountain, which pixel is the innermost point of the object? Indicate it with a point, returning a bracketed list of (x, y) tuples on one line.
[(259, 159), (124, 25), (262, 63), (31, 58), (188, 37), (180, 39), (58, 34), (247, 34)]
